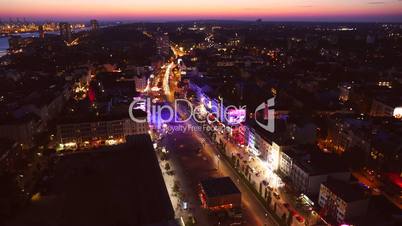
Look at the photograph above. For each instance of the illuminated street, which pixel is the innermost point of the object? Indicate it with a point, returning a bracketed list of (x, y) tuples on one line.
[(254, 212), (261, 172)]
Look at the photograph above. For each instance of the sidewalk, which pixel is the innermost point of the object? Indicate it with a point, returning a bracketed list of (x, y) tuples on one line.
[(260, 176), (184, 191)]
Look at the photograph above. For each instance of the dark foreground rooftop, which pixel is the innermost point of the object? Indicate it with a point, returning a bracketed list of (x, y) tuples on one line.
[(215, 187), (347, 191), (119, 185)]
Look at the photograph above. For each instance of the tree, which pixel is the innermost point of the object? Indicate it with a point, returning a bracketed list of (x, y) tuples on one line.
[(260, 188), (289, 219), (233, 160), (176, 186), (247, 171), (164, 156), (283, 217), (269, 199), (167, 167)]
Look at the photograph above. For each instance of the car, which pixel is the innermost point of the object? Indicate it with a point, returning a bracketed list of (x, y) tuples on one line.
[(185, 205), (299, 218), (270, 188), (236, 223), (376, 191), (192, 220)]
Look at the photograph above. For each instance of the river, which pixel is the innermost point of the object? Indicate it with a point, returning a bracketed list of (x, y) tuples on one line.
[(3, 46), (4, 40)]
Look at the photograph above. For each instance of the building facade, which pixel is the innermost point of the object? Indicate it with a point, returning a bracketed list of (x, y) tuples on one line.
[(342, 201), (307, 180), (65, 31), (88, 131)]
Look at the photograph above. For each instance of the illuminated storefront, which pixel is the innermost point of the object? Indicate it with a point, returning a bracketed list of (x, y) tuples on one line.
[(252, 144), (239, 134), (235, 116), (273, 156)]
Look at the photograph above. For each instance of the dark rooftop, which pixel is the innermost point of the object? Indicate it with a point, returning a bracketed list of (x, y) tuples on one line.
[(348, 192), (318, 163), (280, 136), (219, 186), (119, 185), (84, 112)]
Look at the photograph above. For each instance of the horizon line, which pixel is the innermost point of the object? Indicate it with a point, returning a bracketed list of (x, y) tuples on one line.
[(320, 20)]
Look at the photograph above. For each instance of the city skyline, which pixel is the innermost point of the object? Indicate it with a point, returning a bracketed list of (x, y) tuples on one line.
[(213, 112), (159, 10)]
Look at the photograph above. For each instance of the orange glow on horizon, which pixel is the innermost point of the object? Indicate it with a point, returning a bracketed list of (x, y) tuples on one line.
[(207, 9)]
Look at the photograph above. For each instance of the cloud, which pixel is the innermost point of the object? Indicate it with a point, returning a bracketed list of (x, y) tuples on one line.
[(376, 3)]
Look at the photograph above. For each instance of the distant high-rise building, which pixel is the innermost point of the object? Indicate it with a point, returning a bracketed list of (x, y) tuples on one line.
[(162, 44), (94, 25), (14, 42), (41, 31), (65, 30)]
